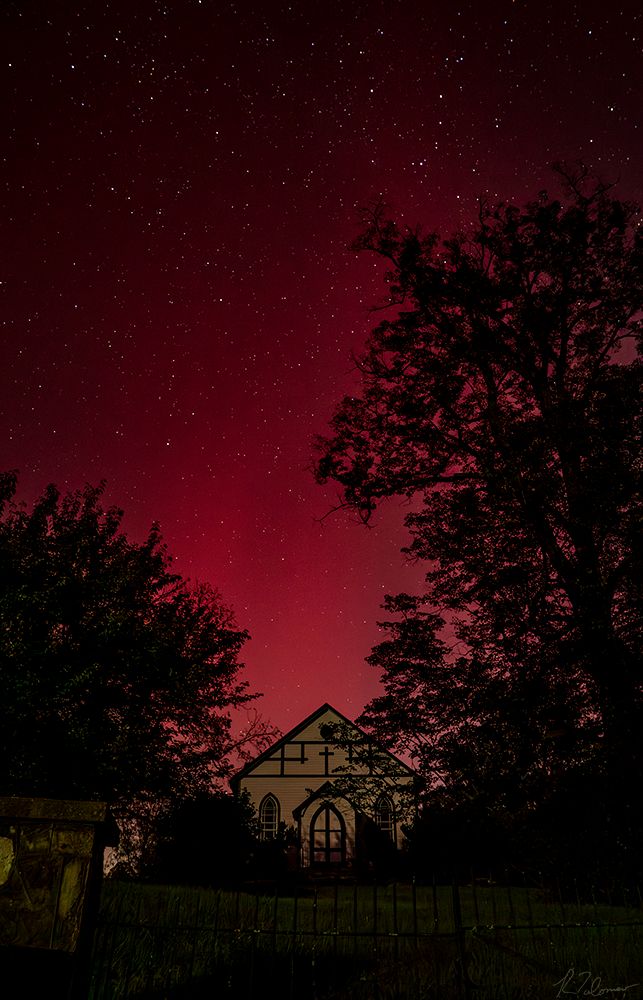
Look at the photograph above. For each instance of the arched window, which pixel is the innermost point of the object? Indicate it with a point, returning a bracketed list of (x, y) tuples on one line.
[(385, 816), (327, 837), (269, 817)]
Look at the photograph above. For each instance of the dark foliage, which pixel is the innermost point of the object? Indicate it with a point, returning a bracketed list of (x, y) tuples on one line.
[(563, 836), (210, 840), (276, 859), (502, 397), (117, 679)]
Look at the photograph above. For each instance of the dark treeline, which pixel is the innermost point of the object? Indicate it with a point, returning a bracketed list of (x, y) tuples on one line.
[(500, 394)]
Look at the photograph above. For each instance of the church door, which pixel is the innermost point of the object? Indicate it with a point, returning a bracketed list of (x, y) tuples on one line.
[(327, 837)]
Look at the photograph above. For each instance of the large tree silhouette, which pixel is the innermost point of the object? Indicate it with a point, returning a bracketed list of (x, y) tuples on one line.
[(501, 396), (118, 680)]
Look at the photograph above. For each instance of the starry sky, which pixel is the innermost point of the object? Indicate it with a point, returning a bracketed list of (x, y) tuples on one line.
[(181, 184)]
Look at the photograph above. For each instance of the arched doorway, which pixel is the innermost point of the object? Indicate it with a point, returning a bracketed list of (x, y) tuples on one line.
[(327, 836)]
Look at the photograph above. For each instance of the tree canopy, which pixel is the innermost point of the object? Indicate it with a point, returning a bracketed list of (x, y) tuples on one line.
[(118, 679), (500, 395)]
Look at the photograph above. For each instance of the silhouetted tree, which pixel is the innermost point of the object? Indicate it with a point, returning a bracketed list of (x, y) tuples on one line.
[(206, 840), (501, 397), (118, 680)]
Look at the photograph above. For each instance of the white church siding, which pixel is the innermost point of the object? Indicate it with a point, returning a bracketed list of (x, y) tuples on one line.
[(303, 771)]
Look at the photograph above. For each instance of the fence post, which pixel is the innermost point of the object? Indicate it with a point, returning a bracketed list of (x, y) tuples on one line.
[(463, 982)]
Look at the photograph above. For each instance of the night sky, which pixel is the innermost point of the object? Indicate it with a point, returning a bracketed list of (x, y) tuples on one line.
[(181, 184)]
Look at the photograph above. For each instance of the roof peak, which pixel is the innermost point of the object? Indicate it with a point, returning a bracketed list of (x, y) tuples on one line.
[(292, 734)]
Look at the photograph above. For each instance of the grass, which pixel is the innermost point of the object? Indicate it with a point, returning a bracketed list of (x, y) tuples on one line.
[(362, 942)]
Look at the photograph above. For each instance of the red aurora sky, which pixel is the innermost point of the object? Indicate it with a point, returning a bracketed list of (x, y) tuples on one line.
[(182, 181)]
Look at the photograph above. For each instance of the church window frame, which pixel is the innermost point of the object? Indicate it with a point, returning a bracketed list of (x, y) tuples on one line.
[(385, 815), (269, 816)]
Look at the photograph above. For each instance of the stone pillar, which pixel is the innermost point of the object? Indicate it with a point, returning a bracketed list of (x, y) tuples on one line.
[(51, 857)]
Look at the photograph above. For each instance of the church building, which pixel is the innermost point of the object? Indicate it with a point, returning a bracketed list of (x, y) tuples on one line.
[(329, 782)]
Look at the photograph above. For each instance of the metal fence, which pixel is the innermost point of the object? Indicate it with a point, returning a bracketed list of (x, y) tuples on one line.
[(337, 939)]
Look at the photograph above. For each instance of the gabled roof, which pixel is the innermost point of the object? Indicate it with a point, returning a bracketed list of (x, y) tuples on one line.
[(292, 735)]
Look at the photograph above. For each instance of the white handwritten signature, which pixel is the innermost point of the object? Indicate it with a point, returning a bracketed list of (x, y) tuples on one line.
[(582, 984)]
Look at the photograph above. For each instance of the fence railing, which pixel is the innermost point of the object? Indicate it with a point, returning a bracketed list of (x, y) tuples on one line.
[(337, 939)]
